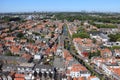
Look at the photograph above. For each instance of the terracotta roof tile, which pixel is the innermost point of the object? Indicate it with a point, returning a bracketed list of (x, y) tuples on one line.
[(27, 56), (78, 67), (19, 79), (19, 75)]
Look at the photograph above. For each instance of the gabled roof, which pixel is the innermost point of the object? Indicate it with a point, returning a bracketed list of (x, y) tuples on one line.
[(19, 75), (27, 56), (19, 79), (77, 68)]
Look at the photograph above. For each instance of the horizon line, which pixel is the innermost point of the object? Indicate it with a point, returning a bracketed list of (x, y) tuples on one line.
[(85, 11)]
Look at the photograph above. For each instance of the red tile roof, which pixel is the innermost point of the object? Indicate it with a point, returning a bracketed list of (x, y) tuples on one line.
[(78, 67), (19, 75), (15, 49), (19, 79), (9, 38), (27, 56)]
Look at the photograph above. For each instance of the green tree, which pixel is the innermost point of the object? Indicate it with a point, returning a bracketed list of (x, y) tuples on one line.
[(105, 26), (30, 41), (115, 47), (114, 37), (8, 53), (94, 40), (36, 33), (20, 35), (94, 54), (80, 35), (118, 39)]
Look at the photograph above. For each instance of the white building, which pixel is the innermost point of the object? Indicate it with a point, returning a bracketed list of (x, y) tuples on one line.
[(37, 56), (77, 70)]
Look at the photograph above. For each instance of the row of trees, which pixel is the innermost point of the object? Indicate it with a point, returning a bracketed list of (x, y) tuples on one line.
[(9, 53), (82, 17), (81, 33), (114, 37), (115, 47), (7, 18), (105, 25)]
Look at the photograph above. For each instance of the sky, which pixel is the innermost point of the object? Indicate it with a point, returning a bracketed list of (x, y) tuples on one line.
[(59, 5)]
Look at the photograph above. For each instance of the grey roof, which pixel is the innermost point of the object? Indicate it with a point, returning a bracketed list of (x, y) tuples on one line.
[(9, 67), (73, 62), (13, 58), (94, 33), (47, 67), (111, 64), (104, 36)]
